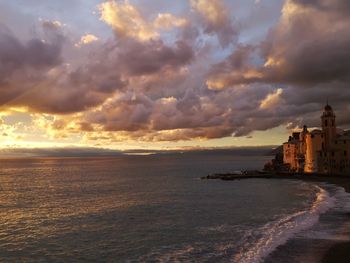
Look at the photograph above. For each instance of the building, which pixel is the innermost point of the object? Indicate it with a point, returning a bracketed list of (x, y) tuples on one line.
[(319, 151)]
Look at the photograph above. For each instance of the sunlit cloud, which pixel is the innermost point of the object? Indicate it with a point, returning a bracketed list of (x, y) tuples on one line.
[(217, 20), (168, 21), (126, 20), (181, 73), (272, 100), (86, 39)]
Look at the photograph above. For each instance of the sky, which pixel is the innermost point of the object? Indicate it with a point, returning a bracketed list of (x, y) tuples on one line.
[(164, 74)]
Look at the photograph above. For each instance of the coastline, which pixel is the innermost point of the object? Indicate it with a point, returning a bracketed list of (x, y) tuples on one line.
[(337, 253), (340, 252)]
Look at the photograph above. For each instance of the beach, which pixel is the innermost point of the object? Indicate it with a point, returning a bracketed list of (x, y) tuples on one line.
[(336, 253), (340, 252)]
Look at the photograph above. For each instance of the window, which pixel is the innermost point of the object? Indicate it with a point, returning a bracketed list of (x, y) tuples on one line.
[(332, 122), (345, 153), (326, 123)]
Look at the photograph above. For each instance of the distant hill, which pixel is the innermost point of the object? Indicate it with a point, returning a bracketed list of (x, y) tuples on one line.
[(101, 152), (236, 151)]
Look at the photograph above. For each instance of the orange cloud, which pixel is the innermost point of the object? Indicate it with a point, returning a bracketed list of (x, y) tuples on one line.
[(168, 21), (86, 39), (126, 20)]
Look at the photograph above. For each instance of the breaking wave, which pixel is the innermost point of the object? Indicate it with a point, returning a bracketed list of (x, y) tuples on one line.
[(256, 243), (276, 233)]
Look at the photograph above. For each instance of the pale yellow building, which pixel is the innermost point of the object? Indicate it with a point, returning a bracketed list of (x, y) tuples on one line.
[(319, 151)]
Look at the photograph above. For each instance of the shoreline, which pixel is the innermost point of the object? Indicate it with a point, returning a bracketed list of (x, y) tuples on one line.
[(339, 180), (337, 253)]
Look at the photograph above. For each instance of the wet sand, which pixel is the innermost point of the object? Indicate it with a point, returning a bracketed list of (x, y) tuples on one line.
[(340, 252), (337, 253)]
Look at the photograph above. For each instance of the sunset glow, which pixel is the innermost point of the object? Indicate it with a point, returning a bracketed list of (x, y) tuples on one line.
[(168, 74)]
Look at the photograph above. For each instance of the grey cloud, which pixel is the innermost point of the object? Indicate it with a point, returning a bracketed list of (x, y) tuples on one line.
[(155, 91), (216, 20), (69, 90), (310, 61), (129, 112), (138, 58), (301, 48), (194, 114), (35, 53), (338, 6)]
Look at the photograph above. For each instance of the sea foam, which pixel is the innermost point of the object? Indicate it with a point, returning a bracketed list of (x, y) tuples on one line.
[(276, 233)]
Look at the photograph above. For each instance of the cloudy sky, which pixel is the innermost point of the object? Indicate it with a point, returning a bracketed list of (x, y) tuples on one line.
[(164, 74)]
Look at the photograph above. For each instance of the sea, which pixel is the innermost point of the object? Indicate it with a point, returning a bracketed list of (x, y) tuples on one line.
[(156, 208)]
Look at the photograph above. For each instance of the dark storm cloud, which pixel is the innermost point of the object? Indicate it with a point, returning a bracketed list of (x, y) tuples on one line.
[(138, 58), (35, 54), (34, 75), (194, 114), (143, 85), (338, 6), (309, 45), (307, 54), (22, 63)]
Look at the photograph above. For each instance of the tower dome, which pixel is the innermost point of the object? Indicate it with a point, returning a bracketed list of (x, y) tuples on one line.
[(328, 111), (328, 108)]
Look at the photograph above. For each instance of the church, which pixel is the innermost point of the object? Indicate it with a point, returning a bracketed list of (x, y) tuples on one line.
[(325, 151)]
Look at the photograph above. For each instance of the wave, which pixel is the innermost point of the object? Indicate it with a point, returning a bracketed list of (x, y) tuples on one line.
[(336, 225), (255, 243), (259, 243)]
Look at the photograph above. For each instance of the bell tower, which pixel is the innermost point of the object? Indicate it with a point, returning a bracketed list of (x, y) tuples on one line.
[(328, 127)]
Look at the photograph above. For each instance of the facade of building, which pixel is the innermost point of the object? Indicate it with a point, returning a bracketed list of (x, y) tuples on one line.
[(319, 151)]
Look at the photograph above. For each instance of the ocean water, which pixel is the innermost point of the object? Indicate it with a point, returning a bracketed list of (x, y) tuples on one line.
[(156, 209)]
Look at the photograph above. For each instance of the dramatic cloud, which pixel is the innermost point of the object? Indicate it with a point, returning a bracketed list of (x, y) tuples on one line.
[(309, 45), (216, 19), (147, 58), (306, 53), (126, 20), (25, 62), (272, 100), (302, 50), (183, 70), (34, 75)]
